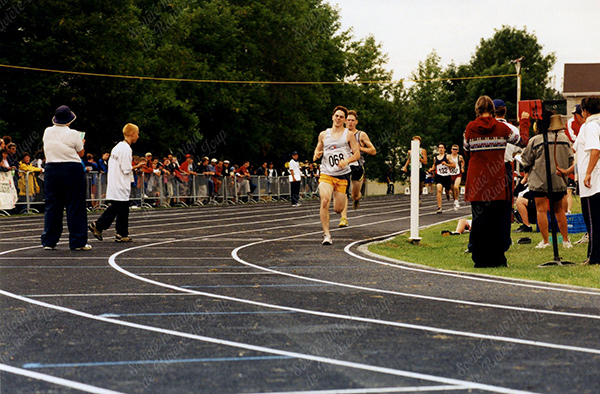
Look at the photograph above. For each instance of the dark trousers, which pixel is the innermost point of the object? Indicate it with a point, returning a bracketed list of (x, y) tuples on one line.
[(590, 207), (490, 233), (64, 188), (295, 190), (118, 210)]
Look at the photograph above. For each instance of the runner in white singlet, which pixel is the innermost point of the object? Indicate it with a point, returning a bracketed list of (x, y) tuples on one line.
[(338, 148)]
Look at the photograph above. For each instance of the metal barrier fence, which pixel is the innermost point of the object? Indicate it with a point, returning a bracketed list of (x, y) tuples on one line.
[(149, 190)]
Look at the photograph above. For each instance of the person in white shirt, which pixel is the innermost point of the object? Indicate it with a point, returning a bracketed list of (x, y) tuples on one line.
[(295, 178), (587, 149), (64, 183), (120, 173)]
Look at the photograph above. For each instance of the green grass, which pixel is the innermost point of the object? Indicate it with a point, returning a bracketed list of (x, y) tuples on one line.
[(448, 252)]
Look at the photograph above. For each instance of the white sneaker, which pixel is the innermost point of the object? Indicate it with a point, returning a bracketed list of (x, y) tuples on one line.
[(327, 240), (567, 244), (542, 245), (456, 205)]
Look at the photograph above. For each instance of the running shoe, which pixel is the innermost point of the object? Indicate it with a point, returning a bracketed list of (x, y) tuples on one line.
[(97, 233), (327, 240), (456, 205), (85, 247), (542, 245), (439, 210), (356, 204), (119, 238), (49, 247), (567, 244), (584, 240), (343, 222)]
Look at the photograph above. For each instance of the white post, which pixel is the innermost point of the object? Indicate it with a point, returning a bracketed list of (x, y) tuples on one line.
[(415, 149)]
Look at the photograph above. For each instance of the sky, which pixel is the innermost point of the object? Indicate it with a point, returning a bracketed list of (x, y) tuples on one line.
[(409, 30)]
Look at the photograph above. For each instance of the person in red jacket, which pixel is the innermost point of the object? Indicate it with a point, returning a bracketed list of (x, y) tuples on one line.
[(487, 186)]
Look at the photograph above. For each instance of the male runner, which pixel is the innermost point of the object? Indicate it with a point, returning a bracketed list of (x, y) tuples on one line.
[(357, 176), (336, 145)]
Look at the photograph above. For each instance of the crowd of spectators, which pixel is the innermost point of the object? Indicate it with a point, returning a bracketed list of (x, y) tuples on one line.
[(159, 178)]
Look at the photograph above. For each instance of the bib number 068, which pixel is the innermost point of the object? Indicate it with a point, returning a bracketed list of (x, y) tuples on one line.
[(334, 160)]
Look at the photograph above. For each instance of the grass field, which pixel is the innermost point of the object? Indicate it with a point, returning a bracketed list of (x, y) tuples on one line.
[(448, 252)]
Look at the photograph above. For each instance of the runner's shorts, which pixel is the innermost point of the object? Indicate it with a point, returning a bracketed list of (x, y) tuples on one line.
[(339, 183), (358, 173), (444, 180)]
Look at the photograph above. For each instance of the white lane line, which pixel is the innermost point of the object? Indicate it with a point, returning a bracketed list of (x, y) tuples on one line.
[(204, 273), (263, 349), (398, 264), (75, 295), (436, 330), (415, 389), (194, 218), (235, 255), (55, 380), (211, 237)]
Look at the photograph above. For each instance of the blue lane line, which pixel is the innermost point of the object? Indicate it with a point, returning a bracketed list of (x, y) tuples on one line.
[(151, 362), (250, 286), (192, 313)]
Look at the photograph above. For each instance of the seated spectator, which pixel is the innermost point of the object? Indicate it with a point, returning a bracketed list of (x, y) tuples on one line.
[(463, 226), (524, 200)]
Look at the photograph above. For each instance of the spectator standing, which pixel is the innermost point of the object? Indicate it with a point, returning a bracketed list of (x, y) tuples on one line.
[(561, 156), (271, 174), (8, 191), (13, 161), (295, 178), (103, 163), (487, 186), (64, 183), (119, 187), (511, 149), (243, 180), (587, 148), (28, 186)]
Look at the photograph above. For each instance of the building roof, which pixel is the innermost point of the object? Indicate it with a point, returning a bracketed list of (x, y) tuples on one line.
[(581, 79)]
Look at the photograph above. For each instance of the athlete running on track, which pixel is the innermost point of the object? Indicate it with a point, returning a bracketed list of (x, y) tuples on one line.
[(338, 148), (357, 175)]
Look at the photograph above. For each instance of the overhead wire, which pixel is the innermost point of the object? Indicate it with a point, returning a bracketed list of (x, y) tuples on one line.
[(219, 81)]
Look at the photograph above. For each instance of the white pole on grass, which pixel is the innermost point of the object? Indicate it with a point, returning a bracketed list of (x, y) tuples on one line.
[(415, 184)]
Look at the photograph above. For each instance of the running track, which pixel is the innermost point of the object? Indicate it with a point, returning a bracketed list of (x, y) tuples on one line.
[(245, 299)]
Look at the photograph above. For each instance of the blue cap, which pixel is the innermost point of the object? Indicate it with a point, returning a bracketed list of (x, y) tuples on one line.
[(499, 103)]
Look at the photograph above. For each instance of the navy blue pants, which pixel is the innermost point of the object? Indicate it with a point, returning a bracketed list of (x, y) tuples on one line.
[(64, 188), (590, 207), (490, 233), (295, 192)]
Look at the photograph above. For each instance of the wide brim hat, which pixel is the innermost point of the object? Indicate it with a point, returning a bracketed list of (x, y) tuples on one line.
[(63, 115), (556, 123)]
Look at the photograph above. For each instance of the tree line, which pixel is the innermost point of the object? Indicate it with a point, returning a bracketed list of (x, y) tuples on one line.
[(239, 40)]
